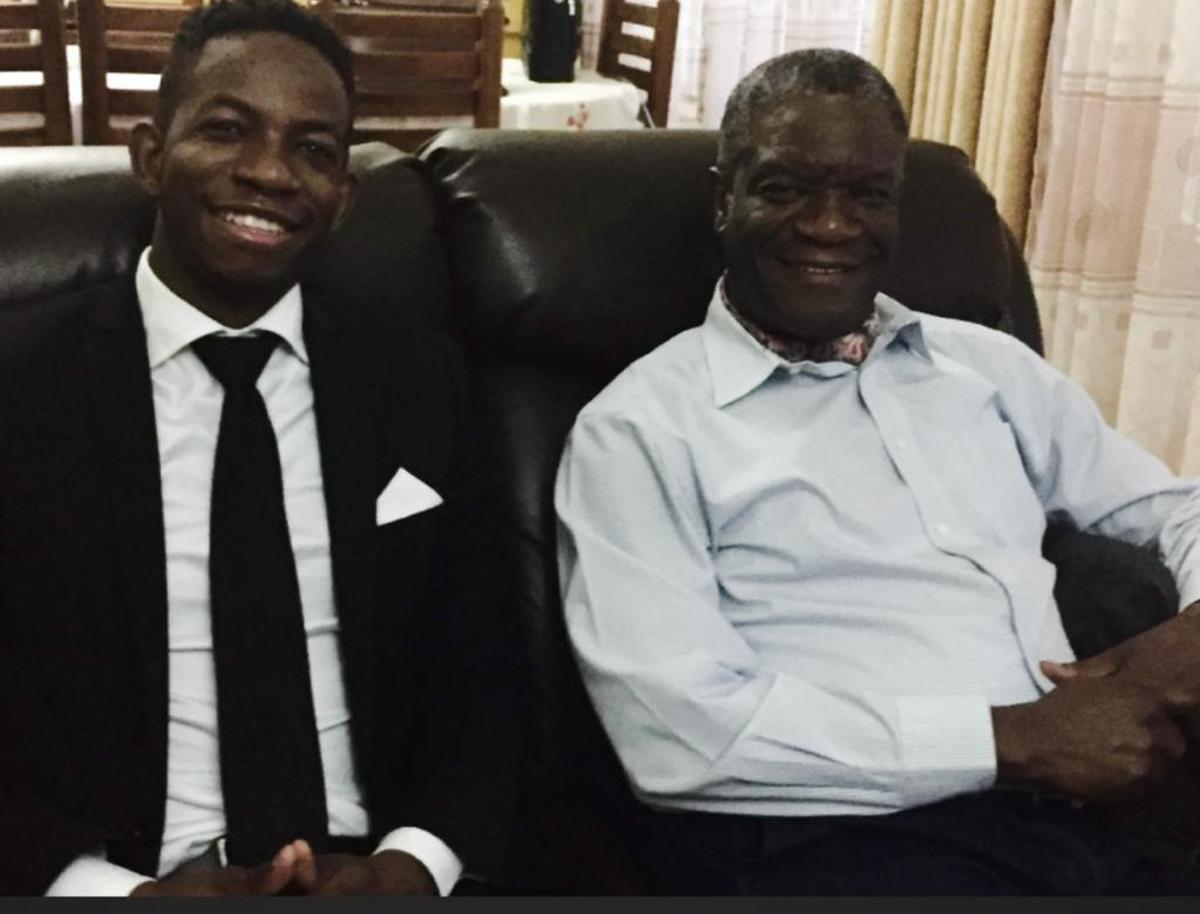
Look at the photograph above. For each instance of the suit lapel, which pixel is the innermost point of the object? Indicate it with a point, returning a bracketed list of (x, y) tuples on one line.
[(342, 369), (123, 411)]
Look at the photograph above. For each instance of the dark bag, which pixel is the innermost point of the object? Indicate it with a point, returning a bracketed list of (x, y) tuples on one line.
[(1107, 591)]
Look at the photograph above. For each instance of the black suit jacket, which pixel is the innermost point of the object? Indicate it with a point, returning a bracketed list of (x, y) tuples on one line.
[(83, 639)]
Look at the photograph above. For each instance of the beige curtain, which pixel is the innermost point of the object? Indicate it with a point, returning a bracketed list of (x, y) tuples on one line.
[(1114, 230), (969, 72)]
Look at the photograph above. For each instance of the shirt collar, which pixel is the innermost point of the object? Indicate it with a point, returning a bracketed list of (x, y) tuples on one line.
[(173, 324), (898, 324), (738, 363)]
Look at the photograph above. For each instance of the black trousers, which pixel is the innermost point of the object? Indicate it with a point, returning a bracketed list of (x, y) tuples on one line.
[(992, 843)]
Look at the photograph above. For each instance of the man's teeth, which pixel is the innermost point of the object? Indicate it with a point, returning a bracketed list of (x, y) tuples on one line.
[(258, 223), (809, 268)]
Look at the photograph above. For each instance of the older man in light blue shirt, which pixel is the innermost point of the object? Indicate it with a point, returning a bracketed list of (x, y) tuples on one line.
[(800, 553)]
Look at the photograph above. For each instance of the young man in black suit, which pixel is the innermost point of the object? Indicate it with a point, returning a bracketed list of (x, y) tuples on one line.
[(249, 643)]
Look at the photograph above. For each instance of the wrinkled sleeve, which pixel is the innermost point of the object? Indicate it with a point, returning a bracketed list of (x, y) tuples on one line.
[(1105, 483), (696, 719)]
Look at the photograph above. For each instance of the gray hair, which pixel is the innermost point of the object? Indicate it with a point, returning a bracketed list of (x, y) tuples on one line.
[(825, 70)]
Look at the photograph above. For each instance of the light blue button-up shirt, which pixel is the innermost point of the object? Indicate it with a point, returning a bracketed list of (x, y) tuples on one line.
[(798, 589)]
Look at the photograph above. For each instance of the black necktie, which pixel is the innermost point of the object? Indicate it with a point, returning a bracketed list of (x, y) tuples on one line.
[(271, 775)]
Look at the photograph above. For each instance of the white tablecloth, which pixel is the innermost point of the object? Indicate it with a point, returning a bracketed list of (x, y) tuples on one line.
[(591, 102)]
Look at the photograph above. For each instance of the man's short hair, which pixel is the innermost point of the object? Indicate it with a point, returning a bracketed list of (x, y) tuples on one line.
[(825, 70), (233, 17)]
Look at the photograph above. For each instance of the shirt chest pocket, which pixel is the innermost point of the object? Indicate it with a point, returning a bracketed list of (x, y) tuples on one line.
[(983, 469)]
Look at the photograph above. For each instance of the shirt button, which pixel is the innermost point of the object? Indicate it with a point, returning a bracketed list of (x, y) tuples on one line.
[(901, 443), (941, 529)]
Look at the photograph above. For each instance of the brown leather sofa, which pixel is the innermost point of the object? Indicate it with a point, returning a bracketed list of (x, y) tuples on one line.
[(557, 259)]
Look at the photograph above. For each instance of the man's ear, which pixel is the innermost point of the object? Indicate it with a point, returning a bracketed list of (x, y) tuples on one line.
[(721, 191), (145, 156), (349, 198)]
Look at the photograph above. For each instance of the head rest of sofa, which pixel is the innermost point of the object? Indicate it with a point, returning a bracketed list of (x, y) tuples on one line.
[(74, 216), (581, 252), (955, 257), (577, 251)]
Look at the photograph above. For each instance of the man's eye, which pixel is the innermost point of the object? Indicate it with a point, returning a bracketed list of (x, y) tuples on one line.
[(780, 191), (221, 128), (874, 196), (320, 152)]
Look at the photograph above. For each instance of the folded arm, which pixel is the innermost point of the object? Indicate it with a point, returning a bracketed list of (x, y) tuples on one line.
[(1116, 734)]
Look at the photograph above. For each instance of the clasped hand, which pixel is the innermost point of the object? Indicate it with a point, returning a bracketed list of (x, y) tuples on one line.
[(1116, 723), (295, 870)]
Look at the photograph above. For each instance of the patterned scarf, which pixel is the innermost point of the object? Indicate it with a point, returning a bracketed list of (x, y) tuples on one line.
[(851, 348)]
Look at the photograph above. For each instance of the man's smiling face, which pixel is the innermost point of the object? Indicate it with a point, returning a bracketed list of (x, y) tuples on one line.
[(251, 172), (808, 220)]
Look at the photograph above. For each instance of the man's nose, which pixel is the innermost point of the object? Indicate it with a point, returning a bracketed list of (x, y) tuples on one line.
[(264, 164), (827, 217)]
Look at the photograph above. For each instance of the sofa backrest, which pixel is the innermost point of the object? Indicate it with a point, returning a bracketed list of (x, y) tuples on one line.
[(581, 252), (72, 216)]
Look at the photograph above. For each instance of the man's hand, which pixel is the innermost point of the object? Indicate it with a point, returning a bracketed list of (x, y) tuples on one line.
[(269, 878), (384, 873), (1165, 659), (1101, 739)]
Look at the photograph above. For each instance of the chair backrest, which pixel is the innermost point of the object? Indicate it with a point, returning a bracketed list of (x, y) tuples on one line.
[(34, 115), (129, 41), (420, 70), (637, 43)]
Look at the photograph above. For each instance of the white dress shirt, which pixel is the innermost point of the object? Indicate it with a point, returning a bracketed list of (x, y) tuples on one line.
[(187, 411), (798, 589)]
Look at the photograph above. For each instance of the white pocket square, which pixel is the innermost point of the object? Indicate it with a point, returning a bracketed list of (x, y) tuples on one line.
[(403, 496)]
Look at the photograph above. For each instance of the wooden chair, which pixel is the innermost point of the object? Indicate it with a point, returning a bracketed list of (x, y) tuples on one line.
[(418, 71), (34, 115), (628, 52), (129, 41)]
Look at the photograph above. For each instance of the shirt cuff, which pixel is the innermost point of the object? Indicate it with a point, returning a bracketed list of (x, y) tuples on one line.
[(443, 864), (949, 747), (91, 876)]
